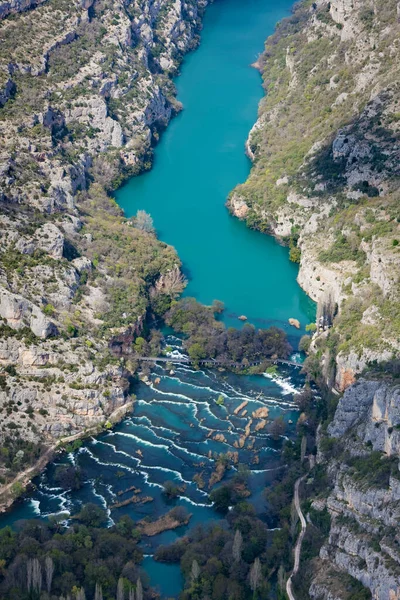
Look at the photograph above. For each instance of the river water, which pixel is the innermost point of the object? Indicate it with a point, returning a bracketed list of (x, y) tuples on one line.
[(170, 435)]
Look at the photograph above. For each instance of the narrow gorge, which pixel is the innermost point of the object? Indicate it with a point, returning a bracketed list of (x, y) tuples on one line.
[(177, 479)]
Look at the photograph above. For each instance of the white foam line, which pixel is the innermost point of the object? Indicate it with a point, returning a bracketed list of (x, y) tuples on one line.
[(108, 464), (158, 391), (35, 504), (188, 369), (109, 489), (284, 384), (103, 502), (63, 501), (139, 440), (197, 387), (150, 424), (163, 446), (258, 471), (176, 354), (174, 432), (159, 437), (119, 451), (71, 458), (60, 512), (186, 499), (43, 486), (166, 470), (146, 477)]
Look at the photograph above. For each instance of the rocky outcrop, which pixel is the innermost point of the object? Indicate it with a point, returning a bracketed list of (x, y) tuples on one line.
[(15, 6), (19, 313), (364, 502)]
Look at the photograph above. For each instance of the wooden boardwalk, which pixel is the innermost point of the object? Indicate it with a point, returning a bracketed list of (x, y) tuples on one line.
[(216, 362)]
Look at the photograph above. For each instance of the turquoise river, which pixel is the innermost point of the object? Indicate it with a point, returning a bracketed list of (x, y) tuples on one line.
[(171, 434)]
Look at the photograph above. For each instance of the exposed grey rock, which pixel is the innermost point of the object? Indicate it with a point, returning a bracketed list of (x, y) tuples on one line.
[(50, 239), (19, 313), (363, 540), (13, 6), (7, 91), (353, 407), (82, 264)]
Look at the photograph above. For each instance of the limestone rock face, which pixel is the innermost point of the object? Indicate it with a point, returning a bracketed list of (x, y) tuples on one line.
[(82, 264), (365, 511), (96, 114), (373, 409), (14, 6), (50, 239), (19, 313)]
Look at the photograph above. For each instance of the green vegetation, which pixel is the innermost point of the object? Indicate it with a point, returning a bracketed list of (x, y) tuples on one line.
[(223, 563), (373, 470), (69, 561), (17, 453), (207, 338)]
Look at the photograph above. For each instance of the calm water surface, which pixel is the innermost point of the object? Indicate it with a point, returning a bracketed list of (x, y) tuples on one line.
[(199, 161), (170, 434)]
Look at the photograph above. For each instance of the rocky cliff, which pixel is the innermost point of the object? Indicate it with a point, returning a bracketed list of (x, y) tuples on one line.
[(325, 178), (361, 454), (85, 89)]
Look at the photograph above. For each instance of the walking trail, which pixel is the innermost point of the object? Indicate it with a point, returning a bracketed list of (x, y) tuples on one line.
[(297, 549)]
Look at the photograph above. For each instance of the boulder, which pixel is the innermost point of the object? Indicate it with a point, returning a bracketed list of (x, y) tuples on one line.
[(50, 239), (82, 264), (295, 323), (20, 312)]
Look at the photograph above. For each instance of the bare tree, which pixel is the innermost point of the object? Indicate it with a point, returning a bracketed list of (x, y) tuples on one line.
[(49, 570), (171, 283), (195, 572), (131, 593), (34, 575), (143, 221), (81, 594), (255, 575), (237, 545), (281, 578), (278, 427), (303, 447), (120, 589), (98, 593), (139, 590)]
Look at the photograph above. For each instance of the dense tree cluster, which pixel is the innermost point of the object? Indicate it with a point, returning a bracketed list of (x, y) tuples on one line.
[(46, 561), (208, 338), (236, 560)]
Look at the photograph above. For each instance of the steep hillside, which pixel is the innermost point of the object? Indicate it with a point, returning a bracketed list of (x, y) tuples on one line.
[(326, 172), (361, 453), (326, 181), (85, 89)]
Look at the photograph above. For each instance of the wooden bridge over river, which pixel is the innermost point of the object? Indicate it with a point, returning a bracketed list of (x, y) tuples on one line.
[(215, 362)]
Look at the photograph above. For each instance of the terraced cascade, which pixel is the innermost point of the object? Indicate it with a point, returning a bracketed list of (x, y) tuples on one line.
[(178, 425)]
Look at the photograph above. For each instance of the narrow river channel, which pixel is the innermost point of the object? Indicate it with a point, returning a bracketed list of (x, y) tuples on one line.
[(199, 161), (171, 433)]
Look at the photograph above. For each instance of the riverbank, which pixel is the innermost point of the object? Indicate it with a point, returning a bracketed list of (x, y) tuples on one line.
[(14, 489), (306, 188)]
